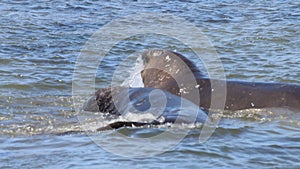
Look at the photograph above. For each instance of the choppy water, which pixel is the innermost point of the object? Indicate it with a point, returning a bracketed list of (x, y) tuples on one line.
[(41, 40)]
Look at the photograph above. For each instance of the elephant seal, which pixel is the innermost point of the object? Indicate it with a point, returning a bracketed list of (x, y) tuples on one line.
[(142, 106), (162, 67)]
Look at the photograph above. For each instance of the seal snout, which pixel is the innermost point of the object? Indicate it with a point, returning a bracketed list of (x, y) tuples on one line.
[(91, 105)]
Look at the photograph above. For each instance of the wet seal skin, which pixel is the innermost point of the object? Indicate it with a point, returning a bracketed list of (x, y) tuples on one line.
[(144, 106), (162, 67)]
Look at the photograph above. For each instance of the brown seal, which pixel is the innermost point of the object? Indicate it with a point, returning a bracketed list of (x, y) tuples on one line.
[(162, 67)]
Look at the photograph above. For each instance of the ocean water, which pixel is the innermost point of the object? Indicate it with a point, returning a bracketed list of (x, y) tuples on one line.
[(42, 41)]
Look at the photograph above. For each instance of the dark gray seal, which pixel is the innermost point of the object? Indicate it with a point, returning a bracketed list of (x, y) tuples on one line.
[(142, 106), (162, 67)]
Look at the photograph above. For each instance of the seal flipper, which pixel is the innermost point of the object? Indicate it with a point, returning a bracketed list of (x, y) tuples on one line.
[(120, 124)]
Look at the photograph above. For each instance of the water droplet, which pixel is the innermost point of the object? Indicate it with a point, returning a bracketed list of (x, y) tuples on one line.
[(168, 59)]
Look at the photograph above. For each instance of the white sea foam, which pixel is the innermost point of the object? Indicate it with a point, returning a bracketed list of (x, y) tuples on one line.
[(135, 79)]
